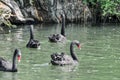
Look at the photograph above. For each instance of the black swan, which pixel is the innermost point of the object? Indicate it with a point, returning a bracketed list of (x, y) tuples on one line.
[(63, 59), (32, 43), (59, 37), (10, 67)]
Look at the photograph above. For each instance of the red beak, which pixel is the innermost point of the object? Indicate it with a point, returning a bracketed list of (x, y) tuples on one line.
[(79, 46), (19, 58)]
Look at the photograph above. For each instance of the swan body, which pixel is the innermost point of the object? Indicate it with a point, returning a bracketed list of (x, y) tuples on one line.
[(10, 67), (63, 59), (32, 42), (59, 37)]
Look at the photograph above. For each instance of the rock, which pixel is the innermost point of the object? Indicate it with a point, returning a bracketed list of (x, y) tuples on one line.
[(5, 13), (16, 15), (28, 11), (50, 10)]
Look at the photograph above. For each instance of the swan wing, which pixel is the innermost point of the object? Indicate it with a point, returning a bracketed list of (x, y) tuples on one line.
[(68, 60), (33, 43), (5, 65), (59, 59), (57, 38), (61, 38)]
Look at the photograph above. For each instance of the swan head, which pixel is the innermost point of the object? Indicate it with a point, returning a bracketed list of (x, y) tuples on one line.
[(18, 52), (61, 17), (77, 43)]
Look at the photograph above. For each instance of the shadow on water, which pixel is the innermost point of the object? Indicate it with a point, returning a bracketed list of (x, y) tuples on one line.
[(67, 68), (8, 76)]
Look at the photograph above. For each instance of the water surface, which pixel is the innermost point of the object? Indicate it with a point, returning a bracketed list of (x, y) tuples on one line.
[(99, 57)]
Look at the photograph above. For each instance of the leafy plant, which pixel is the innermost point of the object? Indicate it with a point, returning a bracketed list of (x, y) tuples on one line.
[(108, 7)]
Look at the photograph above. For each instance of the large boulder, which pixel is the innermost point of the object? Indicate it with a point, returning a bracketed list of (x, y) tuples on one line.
[(24, 11), (5, 13), (15, 15)]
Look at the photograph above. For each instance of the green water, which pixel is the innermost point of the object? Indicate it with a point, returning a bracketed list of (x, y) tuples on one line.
[(99, 57)]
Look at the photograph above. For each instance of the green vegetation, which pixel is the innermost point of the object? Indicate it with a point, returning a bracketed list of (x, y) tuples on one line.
[(107, 7), (104, 10), (110, 7), (4, 16)]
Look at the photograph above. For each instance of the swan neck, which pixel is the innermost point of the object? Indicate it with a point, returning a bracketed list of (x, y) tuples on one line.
[(14, 61), (31, 32), (63, 26), (73, 55)]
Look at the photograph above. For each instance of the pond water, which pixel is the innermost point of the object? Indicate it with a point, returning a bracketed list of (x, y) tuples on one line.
[(99, 57)]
